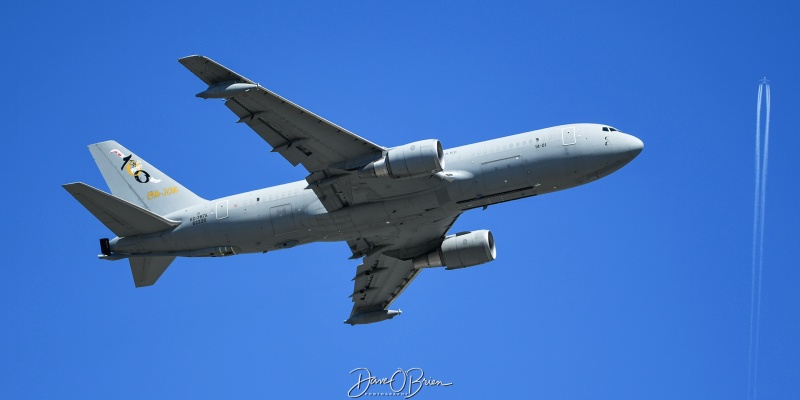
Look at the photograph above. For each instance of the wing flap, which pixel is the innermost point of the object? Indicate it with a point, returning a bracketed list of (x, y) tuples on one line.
[(379, 281), (119, 216), (285, 139)]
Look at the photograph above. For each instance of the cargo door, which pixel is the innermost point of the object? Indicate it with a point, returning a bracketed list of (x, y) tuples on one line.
[(282, 219)]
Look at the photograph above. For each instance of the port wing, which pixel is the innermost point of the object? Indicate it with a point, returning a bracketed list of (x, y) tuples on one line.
[(329, 152)]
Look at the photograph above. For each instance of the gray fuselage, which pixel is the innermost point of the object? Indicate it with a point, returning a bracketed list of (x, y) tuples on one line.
[(475, 175)]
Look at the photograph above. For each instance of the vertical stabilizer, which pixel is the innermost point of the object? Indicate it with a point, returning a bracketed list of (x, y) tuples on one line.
[(131, 178)]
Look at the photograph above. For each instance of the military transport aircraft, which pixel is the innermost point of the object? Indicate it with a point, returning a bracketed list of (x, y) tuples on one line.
[(393, 206)]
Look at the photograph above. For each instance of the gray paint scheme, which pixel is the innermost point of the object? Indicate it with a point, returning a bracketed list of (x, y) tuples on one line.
[(120, 216), (387, 222)]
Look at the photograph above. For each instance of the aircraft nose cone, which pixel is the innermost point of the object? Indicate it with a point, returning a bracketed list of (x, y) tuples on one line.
[(635, 146)]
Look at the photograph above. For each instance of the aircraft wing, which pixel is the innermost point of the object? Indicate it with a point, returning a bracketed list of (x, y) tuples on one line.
[(387, 269), (323, 148)]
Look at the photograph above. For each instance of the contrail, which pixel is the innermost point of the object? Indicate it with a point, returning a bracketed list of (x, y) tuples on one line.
[(755, 243), (757, 262), (761, 243), (759, 208)]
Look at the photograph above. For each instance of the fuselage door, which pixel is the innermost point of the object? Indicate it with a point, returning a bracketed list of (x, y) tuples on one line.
[(502, 175), (222, 209), (282, 219), (568, 136)]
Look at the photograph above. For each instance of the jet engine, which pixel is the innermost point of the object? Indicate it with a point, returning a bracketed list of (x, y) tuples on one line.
[(461, 250), (412, 160)]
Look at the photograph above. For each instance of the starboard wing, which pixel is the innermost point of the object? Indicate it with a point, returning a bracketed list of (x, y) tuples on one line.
[(387, 268)]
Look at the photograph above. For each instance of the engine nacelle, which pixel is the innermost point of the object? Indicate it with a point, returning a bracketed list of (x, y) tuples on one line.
[(423, 158), (462, 250)]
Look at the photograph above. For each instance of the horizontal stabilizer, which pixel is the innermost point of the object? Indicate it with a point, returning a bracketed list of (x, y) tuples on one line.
[(147, 270), (120, 216)]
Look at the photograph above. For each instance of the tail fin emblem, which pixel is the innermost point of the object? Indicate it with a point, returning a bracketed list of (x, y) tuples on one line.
[(134, 168)]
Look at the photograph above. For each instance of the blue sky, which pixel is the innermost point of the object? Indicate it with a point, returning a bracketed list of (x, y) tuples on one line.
[(635, 286)]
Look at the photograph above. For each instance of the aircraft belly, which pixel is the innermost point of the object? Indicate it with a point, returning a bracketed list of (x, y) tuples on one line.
[(162, 241)]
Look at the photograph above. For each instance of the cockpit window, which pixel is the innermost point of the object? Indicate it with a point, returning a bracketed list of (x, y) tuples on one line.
[(605, 129)]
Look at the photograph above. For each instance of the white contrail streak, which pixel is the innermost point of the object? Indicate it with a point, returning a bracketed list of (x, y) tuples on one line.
[(761, 243), (759, 208), (755, 243)]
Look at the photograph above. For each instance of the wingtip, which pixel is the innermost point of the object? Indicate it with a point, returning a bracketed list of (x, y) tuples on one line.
[(188, 59)]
